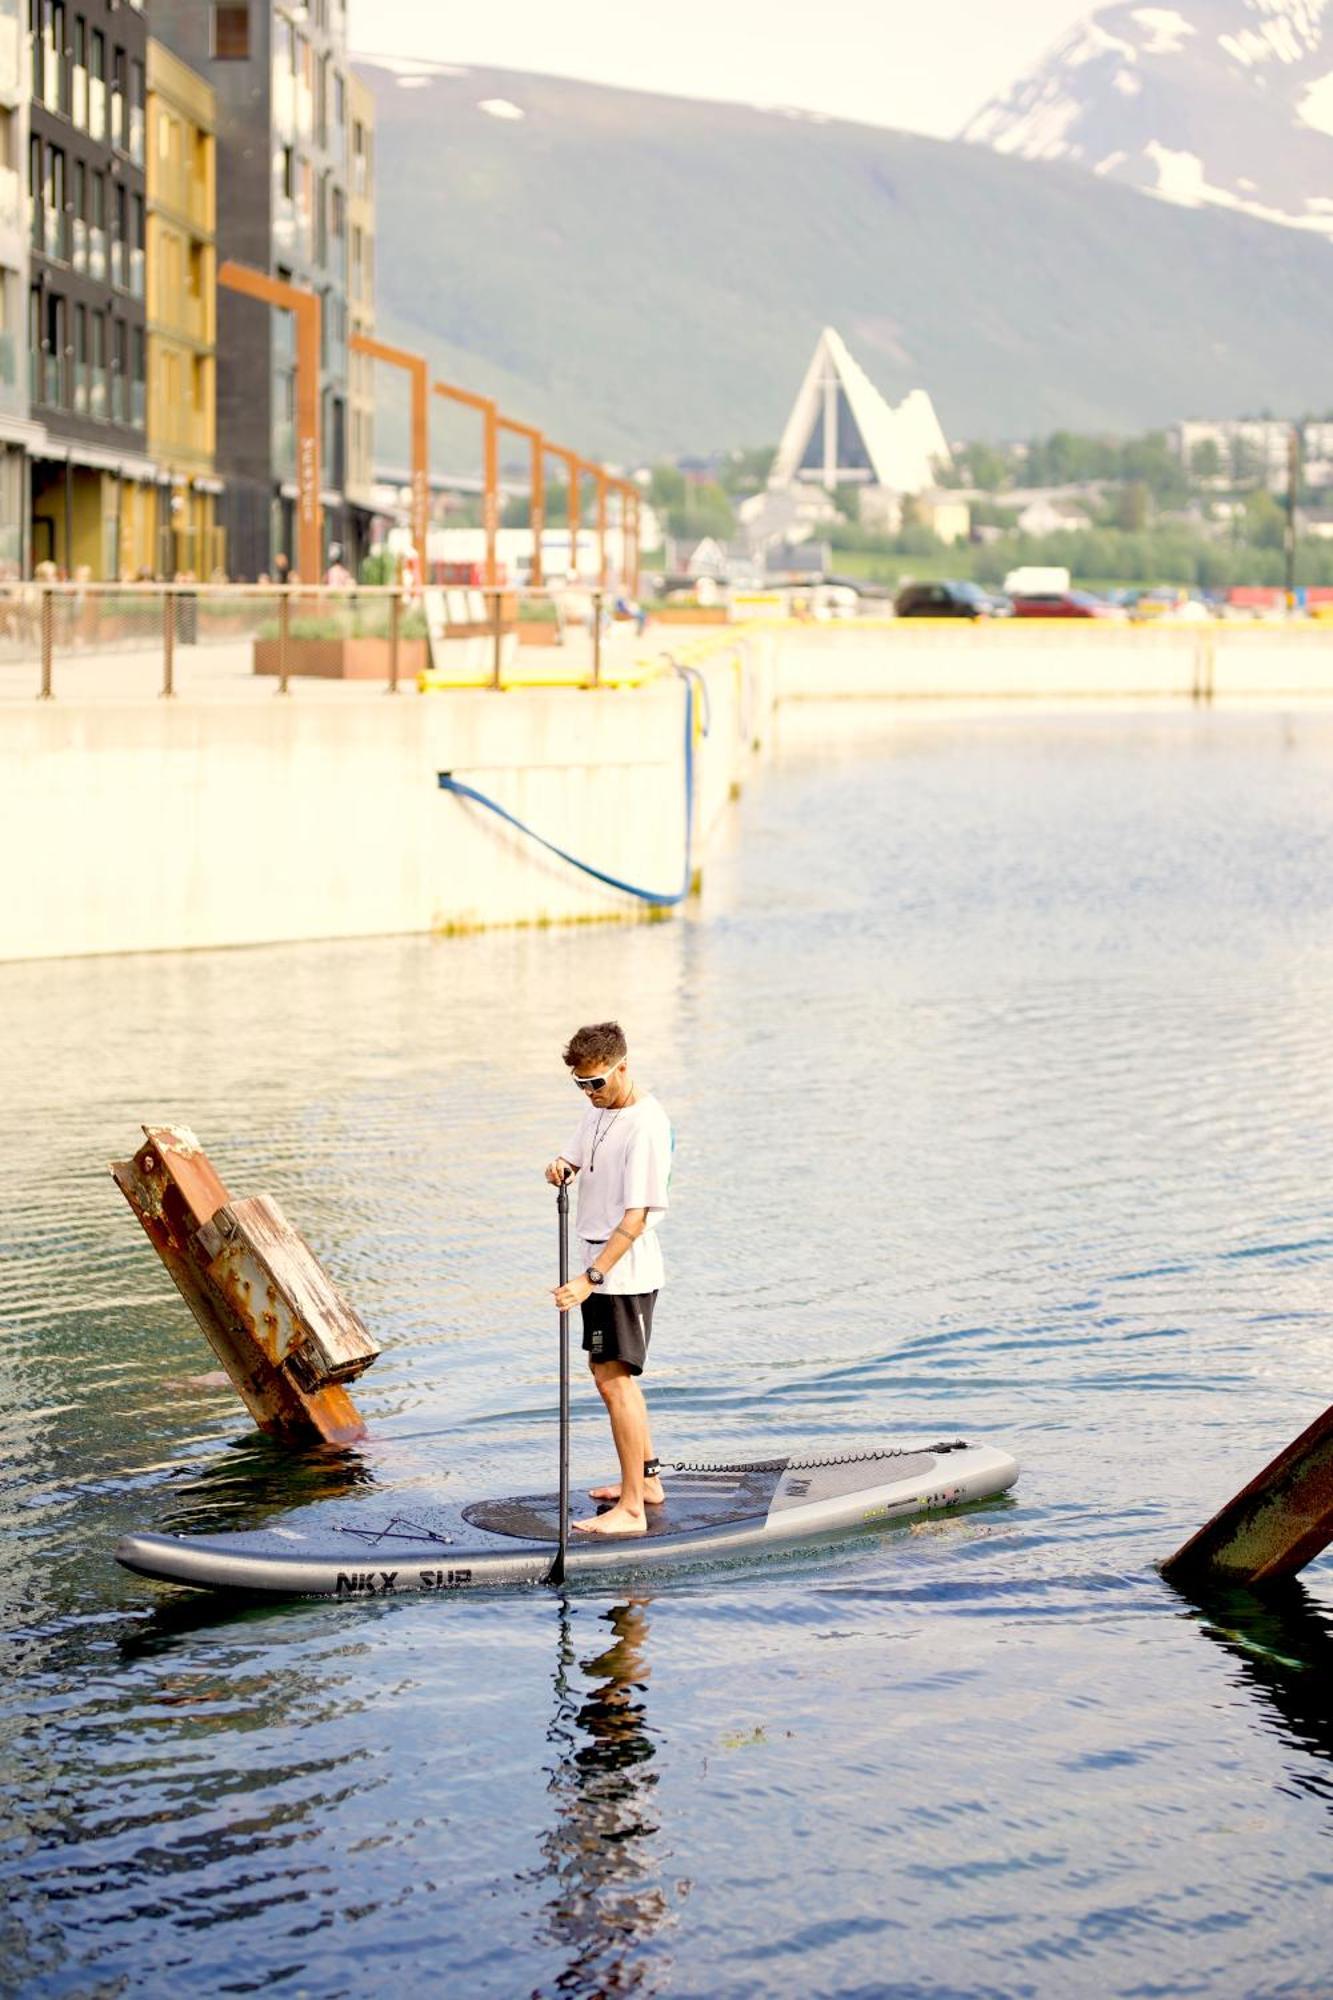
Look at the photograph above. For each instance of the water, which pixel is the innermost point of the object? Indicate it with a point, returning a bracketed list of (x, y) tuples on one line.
[(999, 1053)]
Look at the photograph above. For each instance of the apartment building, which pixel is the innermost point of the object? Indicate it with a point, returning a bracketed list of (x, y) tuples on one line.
[(18, 433), (93, 486), (182, 314), (361, 318), (279, 74)]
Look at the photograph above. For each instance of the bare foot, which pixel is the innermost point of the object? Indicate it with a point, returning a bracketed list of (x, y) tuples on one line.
[(616, 1521), (653, 1492)]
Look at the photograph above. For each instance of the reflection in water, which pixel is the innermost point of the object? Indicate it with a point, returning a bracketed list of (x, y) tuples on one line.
[(1283, 1640), (600, 1853)]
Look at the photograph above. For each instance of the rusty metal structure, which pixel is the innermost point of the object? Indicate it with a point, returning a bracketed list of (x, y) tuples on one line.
[(286, 1336), (1274, 1526), (490, 496), (304, 306), (418, 377)]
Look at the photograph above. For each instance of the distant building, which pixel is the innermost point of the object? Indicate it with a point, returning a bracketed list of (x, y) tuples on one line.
[(182, 314), (361, 320), (1052, 517), (947, 515), (279, 71), (1246, 448), (19, 434), (93, 485), (842, 432)]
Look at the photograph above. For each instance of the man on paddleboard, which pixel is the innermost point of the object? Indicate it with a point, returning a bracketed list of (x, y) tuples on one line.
[(621, 1154)]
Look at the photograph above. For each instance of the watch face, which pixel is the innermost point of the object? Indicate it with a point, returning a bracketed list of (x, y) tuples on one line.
[(595, 1277)]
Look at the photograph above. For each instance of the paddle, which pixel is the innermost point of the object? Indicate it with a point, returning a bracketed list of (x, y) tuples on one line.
[(557, 1569)]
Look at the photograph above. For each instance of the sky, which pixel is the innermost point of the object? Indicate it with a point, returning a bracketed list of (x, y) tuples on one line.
[(921, 65)]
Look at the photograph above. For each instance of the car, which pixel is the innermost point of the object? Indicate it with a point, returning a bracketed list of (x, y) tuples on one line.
[(1065, 604), (947, 598)]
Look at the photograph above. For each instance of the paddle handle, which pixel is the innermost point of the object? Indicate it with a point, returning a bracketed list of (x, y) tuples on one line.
[(562, 1212)]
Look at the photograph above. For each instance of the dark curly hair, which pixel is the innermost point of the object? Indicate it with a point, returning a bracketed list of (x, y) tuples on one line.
[(603, 1042)]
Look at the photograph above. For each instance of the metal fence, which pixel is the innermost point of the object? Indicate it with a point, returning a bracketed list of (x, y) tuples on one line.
[(86, 640)]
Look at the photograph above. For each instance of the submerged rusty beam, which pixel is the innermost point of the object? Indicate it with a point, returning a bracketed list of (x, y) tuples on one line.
[(287, 1338), (1273, 1526)]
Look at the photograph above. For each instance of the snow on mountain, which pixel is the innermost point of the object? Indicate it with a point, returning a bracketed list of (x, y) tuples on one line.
[(1227, 103)]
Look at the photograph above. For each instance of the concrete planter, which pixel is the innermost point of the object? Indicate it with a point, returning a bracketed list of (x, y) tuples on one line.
[(342, 659)]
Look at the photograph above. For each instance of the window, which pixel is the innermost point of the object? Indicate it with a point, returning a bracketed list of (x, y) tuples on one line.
[(50, 92), (57, 85), (97, 255), (119, 86), (54, 345), (120, 240), (97, 87), (136, 111), (139, 379), (35, 344), (288, 172), (97, 405), (119, 410), (78, 219), (78, 108), (136, 245), (231, 32), (57, 244), (35, 192), (81, 360)]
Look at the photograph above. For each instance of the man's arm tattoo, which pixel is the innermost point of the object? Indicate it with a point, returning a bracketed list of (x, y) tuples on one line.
[(620, 1230)]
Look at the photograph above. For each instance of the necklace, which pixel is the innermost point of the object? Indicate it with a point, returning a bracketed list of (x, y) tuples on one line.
[(598, 1137)]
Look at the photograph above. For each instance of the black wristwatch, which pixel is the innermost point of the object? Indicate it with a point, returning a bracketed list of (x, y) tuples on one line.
[(594, 1276)]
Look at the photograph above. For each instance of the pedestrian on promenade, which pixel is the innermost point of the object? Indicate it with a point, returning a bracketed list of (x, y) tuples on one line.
[(622, 1155)]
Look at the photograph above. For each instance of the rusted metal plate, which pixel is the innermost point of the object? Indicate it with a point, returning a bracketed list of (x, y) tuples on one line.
[(1273, 1526), (275, 1285), (176, 1193)]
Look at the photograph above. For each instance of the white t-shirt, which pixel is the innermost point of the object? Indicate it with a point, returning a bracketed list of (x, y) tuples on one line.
[(624, 1161)]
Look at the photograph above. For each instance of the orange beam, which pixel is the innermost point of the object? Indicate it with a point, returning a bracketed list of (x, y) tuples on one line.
[(490, 497), (603, 478), (538, 503), (304, 305), (415, 364)]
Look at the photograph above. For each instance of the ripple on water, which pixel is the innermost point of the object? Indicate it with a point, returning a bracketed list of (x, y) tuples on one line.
[(999, 1060)]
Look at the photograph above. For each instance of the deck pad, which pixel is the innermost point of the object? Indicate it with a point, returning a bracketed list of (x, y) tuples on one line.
[(693, 1503)]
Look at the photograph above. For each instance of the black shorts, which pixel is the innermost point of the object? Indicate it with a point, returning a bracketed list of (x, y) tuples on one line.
[(617, 1326)]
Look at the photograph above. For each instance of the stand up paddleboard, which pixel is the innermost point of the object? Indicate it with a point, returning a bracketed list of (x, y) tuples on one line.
[(711, 1513)]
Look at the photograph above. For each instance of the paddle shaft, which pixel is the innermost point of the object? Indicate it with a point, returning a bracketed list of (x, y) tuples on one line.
[(558, 1566)]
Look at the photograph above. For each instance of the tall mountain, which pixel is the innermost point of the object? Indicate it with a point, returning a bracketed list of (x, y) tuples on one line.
[(1227, 103), (644, 274)]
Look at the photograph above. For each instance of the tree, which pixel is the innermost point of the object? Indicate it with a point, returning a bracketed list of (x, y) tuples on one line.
[(666, 487), (1265, 522), (1131, 508), (985, 467), (745, 472), (1206, 460)]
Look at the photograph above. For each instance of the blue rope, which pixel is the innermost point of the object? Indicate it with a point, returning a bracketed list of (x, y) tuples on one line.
[(691, 678)]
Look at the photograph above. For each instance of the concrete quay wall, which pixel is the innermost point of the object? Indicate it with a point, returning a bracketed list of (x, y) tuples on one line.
[(1061, 659), (170, 825), (151, 825)]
